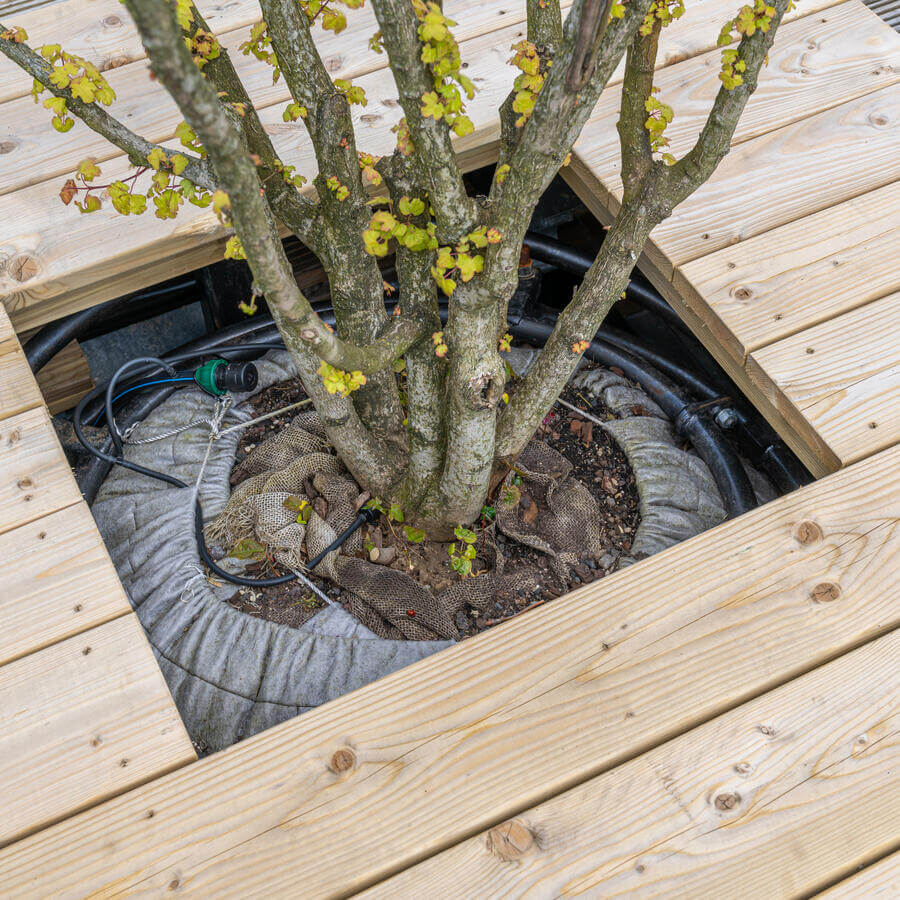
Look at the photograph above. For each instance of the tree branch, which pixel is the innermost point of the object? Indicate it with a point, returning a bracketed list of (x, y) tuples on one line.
[(96, 118), (454, 210), (238, 178), (637, 88), (297, 212), (354, 276), (545, 26), (557, 119)]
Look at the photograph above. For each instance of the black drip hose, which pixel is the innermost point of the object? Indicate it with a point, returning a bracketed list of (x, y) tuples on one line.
[(555, 253)]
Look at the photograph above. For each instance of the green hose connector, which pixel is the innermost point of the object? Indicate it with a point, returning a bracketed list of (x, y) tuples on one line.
[(205, 376)]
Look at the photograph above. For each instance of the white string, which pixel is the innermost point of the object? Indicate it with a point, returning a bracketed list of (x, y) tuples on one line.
[(270, 415), (580, 412)]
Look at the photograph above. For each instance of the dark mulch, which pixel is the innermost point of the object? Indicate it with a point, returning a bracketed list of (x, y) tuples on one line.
[(597, 461)]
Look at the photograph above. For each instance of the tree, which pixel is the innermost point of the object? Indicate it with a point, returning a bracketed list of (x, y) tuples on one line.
[(433, 448)]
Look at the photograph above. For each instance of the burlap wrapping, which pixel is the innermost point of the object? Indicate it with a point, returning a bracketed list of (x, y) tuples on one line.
[(298, 462)]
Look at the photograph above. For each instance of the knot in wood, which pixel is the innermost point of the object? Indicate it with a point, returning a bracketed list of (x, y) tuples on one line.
[(727, 801), (484, 391), (807, 532), (825, 592), (510, 840), (23, 267), (342, 760)]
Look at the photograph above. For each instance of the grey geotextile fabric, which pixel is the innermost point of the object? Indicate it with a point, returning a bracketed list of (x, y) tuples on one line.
[(231, 674)]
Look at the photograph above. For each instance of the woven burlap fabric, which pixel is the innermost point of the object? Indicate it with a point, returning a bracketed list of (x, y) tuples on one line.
[(566, 525), (298, 462)]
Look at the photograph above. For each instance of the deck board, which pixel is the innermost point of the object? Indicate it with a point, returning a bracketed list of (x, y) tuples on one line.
[(777, 284), (774, 798), (42, 280), (879, 880), (473, 735), (593, 718), (842, 377), (85, 711), (57, 581), (83, 720), (35, 478)]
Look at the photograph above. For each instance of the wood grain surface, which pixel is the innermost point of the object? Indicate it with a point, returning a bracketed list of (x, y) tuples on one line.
[(83, 720), (772, 799), (842, 376), (483, 730)]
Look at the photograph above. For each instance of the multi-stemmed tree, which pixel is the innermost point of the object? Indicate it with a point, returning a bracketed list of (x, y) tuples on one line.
[(432, 447)]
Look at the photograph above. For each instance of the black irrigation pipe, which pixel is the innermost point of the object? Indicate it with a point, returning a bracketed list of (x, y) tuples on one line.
[(723, 462), (45, 343), (560, 255)]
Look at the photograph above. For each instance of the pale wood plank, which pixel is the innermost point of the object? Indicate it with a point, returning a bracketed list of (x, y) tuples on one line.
[(765, 182), (820, 161), (778, 283), (881, 879), (65, 379), (34, 476), (120, 247), (726, 810), (56, 581), (83, 720), (842, 378), (6, 329), (38, 152), (102, 31), (817, 62), (473, 734), (18, 390), (119, 255)]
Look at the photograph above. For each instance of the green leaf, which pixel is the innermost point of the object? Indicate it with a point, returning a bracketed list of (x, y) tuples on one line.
[(464, 534), (248, 548), (414, 535)]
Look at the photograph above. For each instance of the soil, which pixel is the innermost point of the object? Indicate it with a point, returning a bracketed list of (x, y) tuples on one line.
[(598, 462)]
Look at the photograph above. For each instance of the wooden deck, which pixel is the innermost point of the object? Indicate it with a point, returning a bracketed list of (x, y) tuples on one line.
[(85, 711), (678, 728)]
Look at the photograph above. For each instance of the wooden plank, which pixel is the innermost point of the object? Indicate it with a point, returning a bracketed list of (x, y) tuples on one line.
[(18, 390), (851, 149), (65, 379), (881, 879), (484, 729), (778, 283), (119, 255), (37, 152), (34, 477), (56, 581), (6, 329), (852, 145), (83, 720), (102, 32), (149, 110), (817, 62), (772, 799), (841, 378)]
